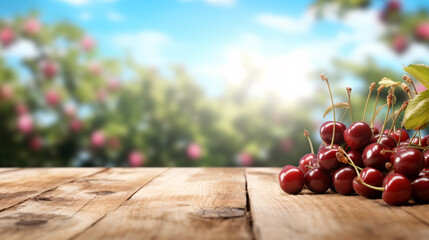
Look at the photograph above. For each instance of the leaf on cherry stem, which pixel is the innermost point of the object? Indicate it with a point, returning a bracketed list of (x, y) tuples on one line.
[(420, 72), (417, 112)]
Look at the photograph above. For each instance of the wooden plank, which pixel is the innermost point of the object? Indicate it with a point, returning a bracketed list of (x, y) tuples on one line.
[(183, 203), (2, 170), (73, 207), (277, 215), (17, 186)]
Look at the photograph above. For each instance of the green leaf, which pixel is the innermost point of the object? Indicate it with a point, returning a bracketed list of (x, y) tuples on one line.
[(417, 113), (419, 71), (337, 105)]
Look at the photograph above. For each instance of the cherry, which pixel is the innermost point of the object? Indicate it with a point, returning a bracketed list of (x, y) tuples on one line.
[(400, 43), (288, 166), (327, 157), (373, 156), (385, 139), (393, 5), (415, 141), (426, 157), (97, 138), (326, 130), (49, 69), (318, 180), (422, 31), (25, 123), (308, 159), (420, 190), (356, 157), (425, 140), (375, 131), (408, 162), (343, 180), (291, 180), (370, 176), (358, 135), (397, 189), (402, 134), (135, 159)]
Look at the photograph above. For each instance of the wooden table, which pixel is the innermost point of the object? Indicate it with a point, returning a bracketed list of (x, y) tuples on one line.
[(188, 203)]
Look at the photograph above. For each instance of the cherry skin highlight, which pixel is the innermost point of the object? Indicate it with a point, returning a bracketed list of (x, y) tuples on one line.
[(343, 180), (326, 130), (291, 180), (397, 189), (358, 135), (375, 131), (408, 162), (426, 157), (386, 140), (372, 177), (308, 159), (403, 136), (420, 190), (373, 156), (356, 157), (327, 157), (318, 180)]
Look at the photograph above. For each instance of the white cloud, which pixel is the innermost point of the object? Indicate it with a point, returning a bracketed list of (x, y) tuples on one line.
[(22, 49), (287, 24), (224, 3), (85, 16), (148, 47), (114, 16), (75, 2)]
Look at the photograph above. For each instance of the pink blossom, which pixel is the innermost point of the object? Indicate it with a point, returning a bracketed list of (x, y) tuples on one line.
[(87, 43), (7, 36), (32, 26), (75, 125), (194, 151), (245, 159), (25, 124), (97, 139), (135, 159), (422, 31), (49, 68), (52, 97)]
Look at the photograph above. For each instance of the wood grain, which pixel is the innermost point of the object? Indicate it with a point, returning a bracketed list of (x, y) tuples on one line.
[(17, 186), (277, 215), (190, 203), (73, 207)]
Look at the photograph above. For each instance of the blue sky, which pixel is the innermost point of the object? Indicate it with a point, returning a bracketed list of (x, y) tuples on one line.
[(217, 40)]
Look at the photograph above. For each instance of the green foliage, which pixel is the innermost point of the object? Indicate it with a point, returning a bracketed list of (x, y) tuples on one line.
[(145, 111), (419, 71), (417, 112)]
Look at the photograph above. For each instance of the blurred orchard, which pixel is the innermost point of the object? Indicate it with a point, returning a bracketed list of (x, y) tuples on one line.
[(72, 106)]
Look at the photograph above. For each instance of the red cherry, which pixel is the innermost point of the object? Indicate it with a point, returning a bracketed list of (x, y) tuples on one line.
[(416, 141), (397, 189), (393, 5), (318, 180), (326, 130), (75, 125), (372, 177), (36, 143), (52, 97), (400, 43), (7, 36), (21, 109), (97, 139), (425, 140), (343, 180), (422, 31), (372, 156), (386, 140), (358, 135), (291, 180), (356, 157), (308, 159), (288, 166), (135, 159), (327, 157), (32, 26), (245, 159), (426, 157), (408, 162), (49, 69), (403, 134), (420, 190), (375, 131)]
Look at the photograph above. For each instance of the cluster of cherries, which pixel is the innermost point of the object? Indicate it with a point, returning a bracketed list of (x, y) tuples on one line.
[(364, 160)]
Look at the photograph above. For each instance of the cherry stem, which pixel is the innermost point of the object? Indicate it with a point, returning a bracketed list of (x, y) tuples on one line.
[(415, 89), (372, 86), (350, 161), (309, 166), (349, 91), (394, 121), (324, 78), (420, 137), (400, 136), (344, 114), (307, 135), (411, 139), (384, 124), (370, 186), (393, 118), (375, 105)]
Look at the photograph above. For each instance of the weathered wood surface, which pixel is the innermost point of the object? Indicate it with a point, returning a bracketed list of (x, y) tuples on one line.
[(188, 203)]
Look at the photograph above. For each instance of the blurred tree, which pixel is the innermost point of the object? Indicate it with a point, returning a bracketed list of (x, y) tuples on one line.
[(70, 106)]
